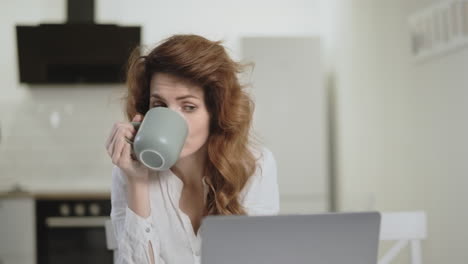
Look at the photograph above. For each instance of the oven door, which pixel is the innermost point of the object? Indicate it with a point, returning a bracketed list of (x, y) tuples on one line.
[(73, 240)]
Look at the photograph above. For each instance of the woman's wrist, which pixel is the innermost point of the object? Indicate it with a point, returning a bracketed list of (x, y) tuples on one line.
[(137, 181), (138, 196)]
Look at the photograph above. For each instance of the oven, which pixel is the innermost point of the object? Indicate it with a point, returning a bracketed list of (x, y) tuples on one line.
[(72, 231)]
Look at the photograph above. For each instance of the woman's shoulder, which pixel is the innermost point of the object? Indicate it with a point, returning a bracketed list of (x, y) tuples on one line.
[(263, 156), (260, 194), (265, 166)]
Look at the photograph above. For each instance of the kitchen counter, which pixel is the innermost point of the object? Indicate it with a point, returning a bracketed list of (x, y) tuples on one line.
[(56, 193)]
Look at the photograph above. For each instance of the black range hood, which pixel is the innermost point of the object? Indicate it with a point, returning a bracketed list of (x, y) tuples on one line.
[(78, 51)]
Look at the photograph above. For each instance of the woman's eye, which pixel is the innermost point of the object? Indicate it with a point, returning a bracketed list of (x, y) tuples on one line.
[(189, 108), (158, 104)]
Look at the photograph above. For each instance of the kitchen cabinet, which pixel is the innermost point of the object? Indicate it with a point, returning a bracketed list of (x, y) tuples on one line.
[(17, 230)]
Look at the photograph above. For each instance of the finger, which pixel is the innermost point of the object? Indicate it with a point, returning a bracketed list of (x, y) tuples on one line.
[(111, 147), (125, 156), (111, 135), (127, 134), (118, 147), (122, 132), (118, 127)]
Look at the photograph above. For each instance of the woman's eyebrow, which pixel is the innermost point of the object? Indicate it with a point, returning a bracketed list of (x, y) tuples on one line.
[(157, 96)]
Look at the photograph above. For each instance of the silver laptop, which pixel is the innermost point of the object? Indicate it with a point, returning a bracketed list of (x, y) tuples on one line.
[(333, 238)]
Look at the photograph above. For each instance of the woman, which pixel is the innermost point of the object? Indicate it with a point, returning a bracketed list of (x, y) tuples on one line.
[(157, 215)]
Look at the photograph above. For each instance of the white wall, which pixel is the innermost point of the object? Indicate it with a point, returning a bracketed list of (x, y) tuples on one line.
[(402, 126), (228, 20), (290, 116), (41, 157)]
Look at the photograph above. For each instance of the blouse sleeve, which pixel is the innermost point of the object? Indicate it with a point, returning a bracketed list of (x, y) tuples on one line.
[(261, 195), (132, 232)]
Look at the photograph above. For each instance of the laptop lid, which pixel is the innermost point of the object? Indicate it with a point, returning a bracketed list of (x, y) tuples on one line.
[(332, 238)]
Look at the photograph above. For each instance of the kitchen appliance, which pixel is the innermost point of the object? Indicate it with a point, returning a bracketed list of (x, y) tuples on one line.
[(78, 51), (72, 231)]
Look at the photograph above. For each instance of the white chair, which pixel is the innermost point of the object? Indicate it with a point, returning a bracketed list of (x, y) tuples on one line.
[(111, 242), (405, 228)]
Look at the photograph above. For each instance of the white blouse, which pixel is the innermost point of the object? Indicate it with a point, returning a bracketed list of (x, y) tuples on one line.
[(168, 228)]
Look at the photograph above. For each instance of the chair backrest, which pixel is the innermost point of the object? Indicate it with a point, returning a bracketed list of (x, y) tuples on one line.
[(111, 242), (405, 228)]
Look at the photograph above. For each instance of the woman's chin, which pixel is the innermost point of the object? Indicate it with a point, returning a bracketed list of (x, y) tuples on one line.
[(184, 153), (187, 152)]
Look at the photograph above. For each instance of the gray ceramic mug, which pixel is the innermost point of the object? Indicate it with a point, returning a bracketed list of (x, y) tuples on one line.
[(160, 138)]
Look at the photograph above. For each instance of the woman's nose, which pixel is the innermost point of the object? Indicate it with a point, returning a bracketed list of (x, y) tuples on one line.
[(177, 109), (173, 107)]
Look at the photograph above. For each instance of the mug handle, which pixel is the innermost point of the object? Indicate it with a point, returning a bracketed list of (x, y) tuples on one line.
[(136, 125)]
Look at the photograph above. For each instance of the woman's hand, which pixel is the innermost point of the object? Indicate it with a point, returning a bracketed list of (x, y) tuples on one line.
[(120, 150)]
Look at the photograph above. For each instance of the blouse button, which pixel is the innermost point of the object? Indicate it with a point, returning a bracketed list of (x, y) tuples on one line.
[(147, 230)]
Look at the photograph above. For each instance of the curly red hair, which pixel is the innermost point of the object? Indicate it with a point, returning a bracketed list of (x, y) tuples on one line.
[(230, 162)]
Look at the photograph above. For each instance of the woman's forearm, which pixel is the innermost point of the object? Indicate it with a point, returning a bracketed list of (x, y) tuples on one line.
[(138, 202), (138, 197)]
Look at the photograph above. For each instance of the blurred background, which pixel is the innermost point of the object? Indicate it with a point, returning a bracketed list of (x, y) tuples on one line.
[(363, 104)]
